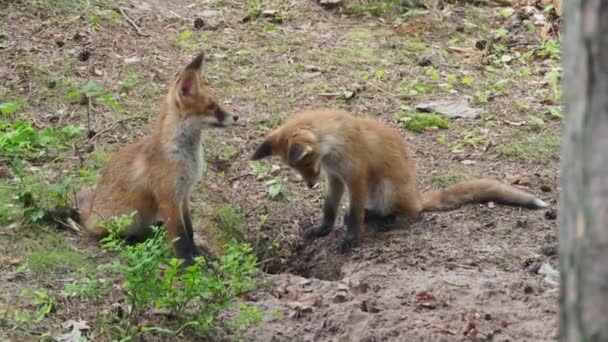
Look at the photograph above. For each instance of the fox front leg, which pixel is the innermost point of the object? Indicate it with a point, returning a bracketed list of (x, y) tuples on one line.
[(355, 217), (330, 209)]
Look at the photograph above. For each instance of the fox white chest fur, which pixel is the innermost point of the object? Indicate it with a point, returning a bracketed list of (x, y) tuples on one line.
[(186, 149)]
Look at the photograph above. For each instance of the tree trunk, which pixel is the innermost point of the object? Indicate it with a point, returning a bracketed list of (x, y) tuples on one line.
[(583, 216)]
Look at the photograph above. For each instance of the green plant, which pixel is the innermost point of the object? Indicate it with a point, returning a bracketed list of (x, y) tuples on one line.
[(550, 48), (253, 10), (91, 288), (7, 108), (129, 82), (419, 122), (276, 189), (537, 147), (553, 76), (58, 4), (230, 223), (556, 112), (187, 40), (249, 317), (382, 8), (193, 294), (470, 138), (444, 179), (537, 122), (44, 303), (21, 139), (91, 91)]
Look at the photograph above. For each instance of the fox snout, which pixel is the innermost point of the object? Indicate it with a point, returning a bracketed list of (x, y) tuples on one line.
[(225, 119)]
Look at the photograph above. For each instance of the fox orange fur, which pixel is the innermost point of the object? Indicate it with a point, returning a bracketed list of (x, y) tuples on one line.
[(371, 160), (155, 175)]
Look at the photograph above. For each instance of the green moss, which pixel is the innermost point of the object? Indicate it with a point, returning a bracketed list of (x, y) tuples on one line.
[(444, 179), (419, 122), (526, 146)]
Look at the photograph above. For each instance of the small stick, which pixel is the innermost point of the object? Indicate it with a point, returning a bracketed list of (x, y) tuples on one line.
[(457, 285), (132, 23), (240, 176)]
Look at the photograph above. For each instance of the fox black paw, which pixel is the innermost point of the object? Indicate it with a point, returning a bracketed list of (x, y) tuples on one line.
[(348, 244), (316, 232)]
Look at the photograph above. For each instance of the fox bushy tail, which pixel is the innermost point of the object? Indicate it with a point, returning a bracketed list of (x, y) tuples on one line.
[(478, 191)]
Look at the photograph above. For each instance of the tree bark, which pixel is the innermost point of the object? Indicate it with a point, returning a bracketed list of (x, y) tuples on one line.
[(583, 215)]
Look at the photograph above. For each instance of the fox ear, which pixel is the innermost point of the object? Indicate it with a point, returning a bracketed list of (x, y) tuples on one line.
[(297, 152), (196, 63), (189, 80), (188, 84), (263, 151)]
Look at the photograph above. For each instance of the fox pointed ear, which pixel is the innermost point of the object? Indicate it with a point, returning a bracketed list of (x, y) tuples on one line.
[(188, 83), (196, 63), (297, 152), (263, 151), (189, 80)]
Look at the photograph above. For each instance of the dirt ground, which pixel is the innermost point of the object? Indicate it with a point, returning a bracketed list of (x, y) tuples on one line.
[(468, 274)]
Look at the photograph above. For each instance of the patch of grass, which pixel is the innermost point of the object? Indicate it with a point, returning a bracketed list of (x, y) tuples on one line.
[(472, 138), (229, 224), (271, 122), (253, 10), (364, 34), (188, 41), (129, 82), (3, 33), (355, 55), (272, 103), (538, 147), (51, 253), (57, 4), (382, 8), (420, 122), (415, 46), (443, 179)]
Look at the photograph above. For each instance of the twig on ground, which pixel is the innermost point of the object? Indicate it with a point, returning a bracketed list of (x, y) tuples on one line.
[(132, 23), (453, 284), (240, 176)]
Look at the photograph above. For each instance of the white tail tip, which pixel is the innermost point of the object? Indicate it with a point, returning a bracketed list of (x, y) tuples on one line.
[(540, 203)]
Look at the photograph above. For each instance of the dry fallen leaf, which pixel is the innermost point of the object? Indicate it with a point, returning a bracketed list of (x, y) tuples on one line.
[(424, 296), (9, 260), (75, 334)]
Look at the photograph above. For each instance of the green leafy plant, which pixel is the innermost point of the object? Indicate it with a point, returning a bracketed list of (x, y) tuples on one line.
[(193, 294), (187, 40), (44, 303), (276, 189), (7, 108), (553, 76), (249, 317), (19, 139), (129, 82), (254, 10), (91, 91), (91, 288), (470, 138), (550, 48)]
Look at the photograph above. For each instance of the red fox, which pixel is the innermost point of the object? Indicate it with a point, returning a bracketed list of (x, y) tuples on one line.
[(370, 159), (154, 175)]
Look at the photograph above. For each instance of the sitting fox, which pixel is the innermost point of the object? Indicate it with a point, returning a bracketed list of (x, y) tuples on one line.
[(155, 175), (370, 159)]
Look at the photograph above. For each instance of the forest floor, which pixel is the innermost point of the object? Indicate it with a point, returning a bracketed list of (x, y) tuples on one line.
[(472, 273)]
